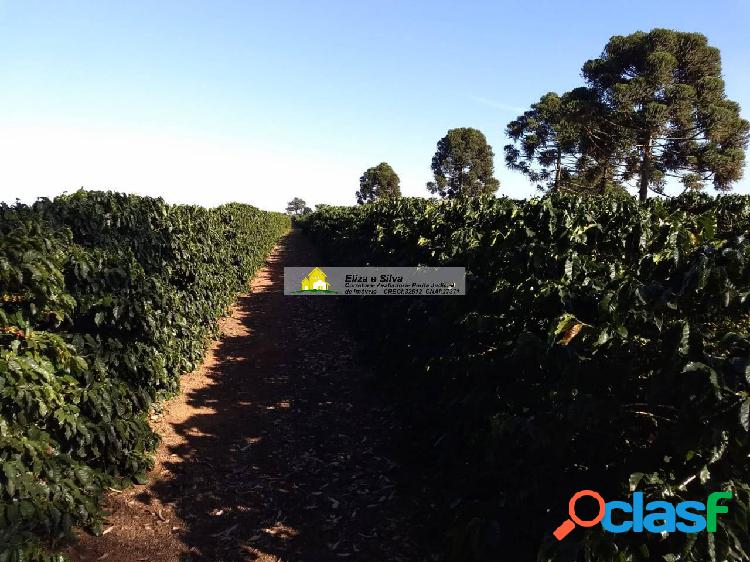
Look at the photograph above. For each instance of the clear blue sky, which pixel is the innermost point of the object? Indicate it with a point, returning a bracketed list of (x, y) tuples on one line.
[(260, 101)]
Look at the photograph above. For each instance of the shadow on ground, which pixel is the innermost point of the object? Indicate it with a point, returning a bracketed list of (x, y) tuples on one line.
[(286, 455)]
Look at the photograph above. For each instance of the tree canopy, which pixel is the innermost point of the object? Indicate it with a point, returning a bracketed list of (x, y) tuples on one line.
[(546, 143), (463, 165), (378, 182), (666, 102), (297, 206), (654, 109)]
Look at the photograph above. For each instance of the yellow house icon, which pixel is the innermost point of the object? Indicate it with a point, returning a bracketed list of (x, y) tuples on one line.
[(315, 281)]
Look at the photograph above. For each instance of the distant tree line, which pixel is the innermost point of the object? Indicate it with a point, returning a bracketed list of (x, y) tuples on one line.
[(462, 167), (652, 112)]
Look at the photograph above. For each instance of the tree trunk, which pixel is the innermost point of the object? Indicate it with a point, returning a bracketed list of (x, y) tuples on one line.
[(603, 180), (558, 170), (645, 170)]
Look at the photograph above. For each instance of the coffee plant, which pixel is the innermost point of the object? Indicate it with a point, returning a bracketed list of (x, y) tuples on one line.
[(105, 299), (603, 344)]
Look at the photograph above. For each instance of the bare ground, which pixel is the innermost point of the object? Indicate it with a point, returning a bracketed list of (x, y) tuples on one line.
[(277, 449)]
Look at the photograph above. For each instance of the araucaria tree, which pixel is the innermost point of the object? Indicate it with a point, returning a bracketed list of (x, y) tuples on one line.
[(545, 143), (463, 165), (666, 105), (378, 182), (653, 110), (561, 144)]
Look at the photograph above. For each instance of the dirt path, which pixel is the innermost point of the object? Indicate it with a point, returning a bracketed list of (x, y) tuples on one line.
[(276, 450)]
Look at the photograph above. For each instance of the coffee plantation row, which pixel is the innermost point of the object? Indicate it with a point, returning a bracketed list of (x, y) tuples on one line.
[(105, 299), (603, 344)]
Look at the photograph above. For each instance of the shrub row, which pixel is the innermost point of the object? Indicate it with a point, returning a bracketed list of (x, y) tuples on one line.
[(602, 345), (105, 299)]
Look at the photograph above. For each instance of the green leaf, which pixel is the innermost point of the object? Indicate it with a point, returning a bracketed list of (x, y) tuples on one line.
[(27, 509), (704, 474), (634, 480)]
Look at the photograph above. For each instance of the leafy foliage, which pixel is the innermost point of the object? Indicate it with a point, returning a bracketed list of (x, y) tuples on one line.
[(562, 144), (298, 207), (463, 165), (666, 101), (653, 111), (378, 182), (602, 345), (105, 299), (545, 141)]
